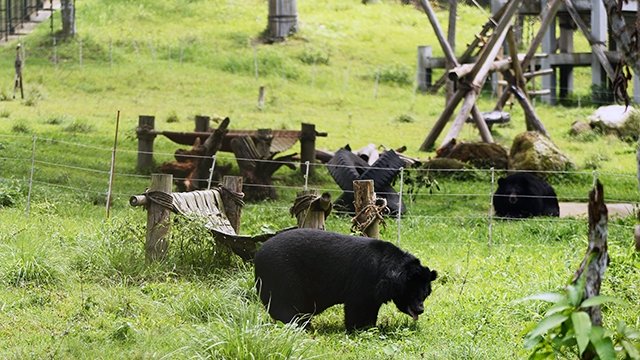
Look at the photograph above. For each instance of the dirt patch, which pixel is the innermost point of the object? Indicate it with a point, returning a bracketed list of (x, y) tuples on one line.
[(574, 209)]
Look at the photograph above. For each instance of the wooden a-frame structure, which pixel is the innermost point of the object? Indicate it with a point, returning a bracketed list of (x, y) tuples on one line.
[(470, 78)]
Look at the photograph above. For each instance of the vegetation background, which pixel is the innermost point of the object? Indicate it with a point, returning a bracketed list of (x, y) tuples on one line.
[(75, 284)]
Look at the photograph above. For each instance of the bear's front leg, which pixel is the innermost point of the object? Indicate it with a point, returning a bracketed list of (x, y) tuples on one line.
[(359, 315)]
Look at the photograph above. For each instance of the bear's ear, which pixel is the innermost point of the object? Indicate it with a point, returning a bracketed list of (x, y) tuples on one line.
[(434, 275)]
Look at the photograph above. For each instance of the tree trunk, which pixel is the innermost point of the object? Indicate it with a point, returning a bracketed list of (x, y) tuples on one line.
[(68, 12)]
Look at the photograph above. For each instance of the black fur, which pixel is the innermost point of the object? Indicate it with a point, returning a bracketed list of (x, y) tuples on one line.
[(523, 195), (302, 272)]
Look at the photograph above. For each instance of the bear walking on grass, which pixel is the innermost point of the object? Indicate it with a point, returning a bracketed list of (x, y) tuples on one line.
[(523, 195), (302, 272)]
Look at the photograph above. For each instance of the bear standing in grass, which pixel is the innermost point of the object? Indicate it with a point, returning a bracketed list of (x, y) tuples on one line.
[(523, 195), (302, 272)]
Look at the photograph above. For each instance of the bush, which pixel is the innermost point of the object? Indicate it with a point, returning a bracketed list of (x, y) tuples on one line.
[(396, 74), (10, 193)]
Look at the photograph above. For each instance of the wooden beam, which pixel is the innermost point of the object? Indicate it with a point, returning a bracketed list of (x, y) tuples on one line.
[(597, 47), (548, 16), (481, 69)]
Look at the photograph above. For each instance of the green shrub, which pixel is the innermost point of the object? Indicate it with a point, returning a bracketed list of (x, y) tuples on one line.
[(20, 129), (314, 56), (399, 75), (79, 127), (10, 193)]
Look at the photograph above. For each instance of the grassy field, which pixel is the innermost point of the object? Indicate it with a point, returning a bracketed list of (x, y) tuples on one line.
[(75, 284)]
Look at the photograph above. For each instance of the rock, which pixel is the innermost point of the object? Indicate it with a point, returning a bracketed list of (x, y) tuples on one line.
[(619, 120), (580, 127), (533, 151), (479, 154)]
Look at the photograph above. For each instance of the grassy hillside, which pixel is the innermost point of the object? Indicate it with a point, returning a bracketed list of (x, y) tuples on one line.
[(75, 285)]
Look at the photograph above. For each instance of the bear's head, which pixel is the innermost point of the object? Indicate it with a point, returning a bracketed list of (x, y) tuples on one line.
[(412, 286)]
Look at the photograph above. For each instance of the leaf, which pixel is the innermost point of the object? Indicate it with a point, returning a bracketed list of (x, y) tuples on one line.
[(599, 300), (548, 297), (631, 349), (582, 327), (602, 344), (575, 294), (559, 307), (547, 324)]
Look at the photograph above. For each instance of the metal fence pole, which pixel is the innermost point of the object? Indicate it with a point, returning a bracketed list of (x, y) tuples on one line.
[(493, 180), (399, 216), (306, 175), (213, 166), (33, 168)]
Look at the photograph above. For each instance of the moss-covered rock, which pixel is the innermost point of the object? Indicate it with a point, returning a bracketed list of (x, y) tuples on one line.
[(533, 151)]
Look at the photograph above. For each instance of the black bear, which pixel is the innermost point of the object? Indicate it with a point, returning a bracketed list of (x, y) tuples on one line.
[(523, 195), (302, 272)]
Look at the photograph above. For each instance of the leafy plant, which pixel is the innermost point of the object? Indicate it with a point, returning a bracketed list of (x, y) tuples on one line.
[(567, 329), (10, 193)]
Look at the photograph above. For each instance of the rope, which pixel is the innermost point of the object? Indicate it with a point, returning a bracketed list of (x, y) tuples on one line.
[(237, 197), (160, 198), (370, 213), (302, 203)]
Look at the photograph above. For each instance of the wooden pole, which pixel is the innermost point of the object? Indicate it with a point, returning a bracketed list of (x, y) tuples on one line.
[(144, 132), (158, 217), (112, 169), (232, 207), (307, 147), (451, 38), (364, 202), (549, 13), (596, 259), (202, 123)]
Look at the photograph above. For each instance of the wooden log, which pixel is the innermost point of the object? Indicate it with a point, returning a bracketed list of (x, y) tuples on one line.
[(202, 123), (263, 140), (531, 118), (548, 16), (596, 259), (530, 74), (597, 47), (307, 147), (145, 134), (232, 186), (158, 217), (451, 38), (481, 69), (365, 199), (459, 72), (471, 48)]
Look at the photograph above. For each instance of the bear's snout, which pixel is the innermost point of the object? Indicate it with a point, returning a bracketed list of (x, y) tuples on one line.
[(513, 198), (415, 311)]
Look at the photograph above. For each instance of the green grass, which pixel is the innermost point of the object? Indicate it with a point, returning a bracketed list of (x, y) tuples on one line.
[(75, 285)]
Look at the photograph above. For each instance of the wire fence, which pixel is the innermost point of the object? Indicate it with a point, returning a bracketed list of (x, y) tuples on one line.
[(40, 167), (80, 52)]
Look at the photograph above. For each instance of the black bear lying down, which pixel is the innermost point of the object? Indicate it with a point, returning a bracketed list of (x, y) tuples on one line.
[(302, 272), (523, 195)]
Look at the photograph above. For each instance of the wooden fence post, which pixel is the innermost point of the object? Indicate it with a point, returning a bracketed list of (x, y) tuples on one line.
[(144, 132), (202, 123), (307, 147), (310, 209), (232, 207), (158, 217), (366, 219)]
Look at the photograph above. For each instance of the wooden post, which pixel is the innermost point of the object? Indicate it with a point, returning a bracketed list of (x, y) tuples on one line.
[(263, 140), (424, 73), (283, 19), (261, 96), (158, 217), (202, 123), (451, 38), (598, 31), (365, 199), (565, 45), (232, 207), (144, 132), (310, 209), (549, 45), (596, 259), (307, 147), (636, 235)]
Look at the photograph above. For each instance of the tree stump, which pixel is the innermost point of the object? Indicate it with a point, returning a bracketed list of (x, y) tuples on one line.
[(367, 217), (310, 209)]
